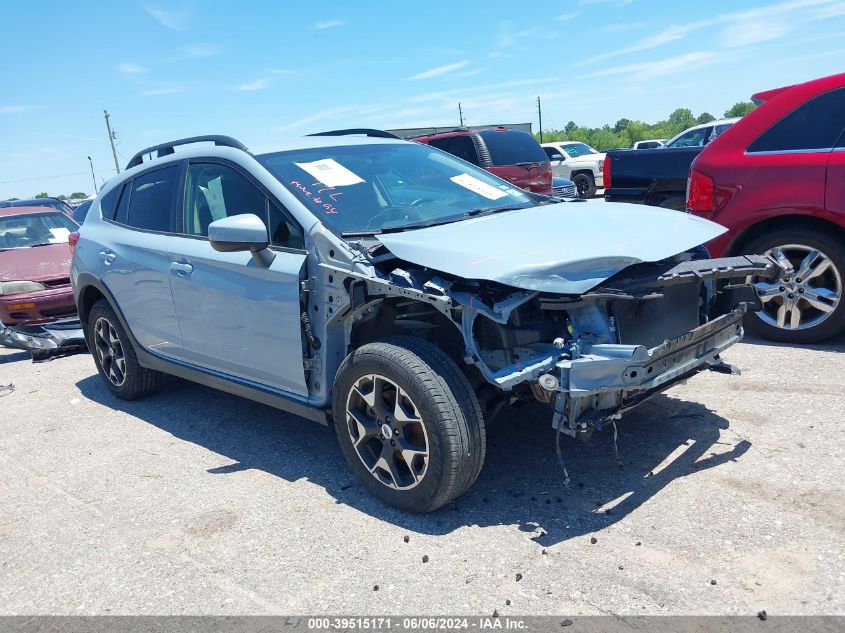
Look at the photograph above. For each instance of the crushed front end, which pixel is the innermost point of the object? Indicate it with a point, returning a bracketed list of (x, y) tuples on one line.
[(596, 355)]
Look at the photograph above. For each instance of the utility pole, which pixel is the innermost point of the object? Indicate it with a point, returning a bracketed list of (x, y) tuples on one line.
[(112, 136), (540, 114), (460, 114), (93, 177)]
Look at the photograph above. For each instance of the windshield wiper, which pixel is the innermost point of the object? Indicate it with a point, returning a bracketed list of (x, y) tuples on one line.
[(404, 227), (482, 210)]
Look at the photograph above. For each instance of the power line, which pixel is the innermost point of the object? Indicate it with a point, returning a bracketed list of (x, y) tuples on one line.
[(79, 173)]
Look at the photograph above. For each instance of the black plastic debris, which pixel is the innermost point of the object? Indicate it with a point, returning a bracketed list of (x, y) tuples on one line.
[(425, 558), (762, 615), (593, 540)]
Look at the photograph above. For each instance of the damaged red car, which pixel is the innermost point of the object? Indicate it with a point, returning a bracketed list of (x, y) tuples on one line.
[(37, 311)]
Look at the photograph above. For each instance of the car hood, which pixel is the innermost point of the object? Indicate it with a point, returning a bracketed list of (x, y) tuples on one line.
[(566, 248), (38, 263)]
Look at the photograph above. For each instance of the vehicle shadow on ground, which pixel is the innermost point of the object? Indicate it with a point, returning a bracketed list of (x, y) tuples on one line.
[(834, 344), (521, 482)]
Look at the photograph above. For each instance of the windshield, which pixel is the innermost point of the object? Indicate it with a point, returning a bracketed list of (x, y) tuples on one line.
[(35, 229), (578, 149), (512, 147), (375, 187)]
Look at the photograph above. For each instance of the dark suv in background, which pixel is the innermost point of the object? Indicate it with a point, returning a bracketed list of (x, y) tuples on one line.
[(513, 155)]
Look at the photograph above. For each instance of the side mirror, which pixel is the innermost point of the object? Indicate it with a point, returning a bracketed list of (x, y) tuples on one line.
[(557, 157), (244, 232)]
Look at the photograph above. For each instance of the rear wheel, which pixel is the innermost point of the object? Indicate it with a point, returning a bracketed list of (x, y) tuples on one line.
[(115, 357), (808, 306), (585, 184), (409, 423)]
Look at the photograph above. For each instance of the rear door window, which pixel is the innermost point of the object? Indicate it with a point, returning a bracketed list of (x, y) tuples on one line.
[(512, 146), (151, 201), (460, 146), (815, 125)]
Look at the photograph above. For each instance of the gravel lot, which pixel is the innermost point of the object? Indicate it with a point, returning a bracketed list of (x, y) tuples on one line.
[(193, 501)]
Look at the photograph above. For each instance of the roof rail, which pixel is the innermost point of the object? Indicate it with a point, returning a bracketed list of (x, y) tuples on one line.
[(165, 149), (357, 130)]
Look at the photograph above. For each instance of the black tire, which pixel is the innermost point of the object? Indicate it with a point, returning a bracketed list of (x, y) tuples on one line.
[(585, 184), (446, 406), (136, 381), (811, 239)]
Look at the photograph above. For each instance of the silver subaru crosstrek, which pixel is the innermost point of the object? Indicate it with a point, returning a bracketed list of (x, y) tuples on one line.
[(397, 293)]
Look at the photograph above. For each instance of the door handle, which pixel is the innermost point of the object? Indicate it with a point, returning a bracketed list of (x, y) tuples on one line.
[(181, 269), (108, 256)]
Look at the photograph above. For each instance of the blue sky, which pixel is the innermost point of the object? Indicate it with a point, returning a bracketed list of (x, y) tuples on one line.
[(267, 71)]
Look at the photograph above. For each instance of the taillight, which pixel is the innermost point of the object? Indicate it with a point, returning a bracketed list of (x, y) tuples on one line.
[(72, 240), (607, 172), (699, 192)]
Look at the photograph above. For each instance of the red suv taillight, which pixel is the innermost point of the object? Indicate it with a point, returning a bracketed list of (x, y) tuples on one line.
[(607, 172), (72, 240), (700, 197)]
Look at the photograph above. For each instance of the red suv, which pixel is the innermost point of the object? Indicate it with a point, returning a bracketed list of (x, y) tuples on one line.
[(510, 154), (776, 179)]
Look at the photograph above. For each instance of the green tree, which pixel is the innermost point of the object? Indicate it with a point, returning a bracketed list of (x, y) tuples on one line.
[(570, 126), (741, 108), (681, 119), (78, 194), (705, 117), (622, 124), (43, 194), (61, 196)]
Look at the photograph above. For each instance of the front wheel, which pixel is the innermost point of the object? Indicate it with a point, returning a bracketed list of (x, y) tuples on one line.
[(585, 184), (409, 423), (807, 307)]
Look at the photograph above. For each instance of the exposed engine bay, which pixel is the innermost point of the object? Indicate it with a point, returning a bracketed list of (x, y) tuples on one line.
[(589, 356)]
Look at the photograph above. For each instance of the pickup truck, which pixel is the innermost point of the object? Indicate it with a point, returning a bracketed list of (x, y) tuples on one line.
[(658, 177)]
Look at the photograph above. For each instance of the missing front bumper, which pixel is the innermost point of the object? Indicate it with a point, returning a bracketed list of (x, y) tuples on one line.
[(64, 335), (612, 379)]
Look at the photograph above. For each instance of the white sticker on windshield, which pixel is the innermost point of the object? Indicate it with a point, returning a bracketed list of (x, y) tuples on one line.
[(331, 173), (59, 235), (481, 188)]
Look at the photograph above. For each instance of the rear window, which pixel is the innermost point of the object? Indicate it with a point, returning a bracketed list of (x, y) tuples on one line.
[(814, 125), (512, 146), (151, 201)]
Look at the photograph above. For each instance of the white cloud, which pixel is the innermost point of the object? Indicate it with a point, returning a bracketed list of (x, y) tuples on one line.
[(163, 90), (174, 20), (668, 66), (440, 70), (743, 28), (10, 109), (258, 84), (565, 17), (280, 71), (328, 24), (200, 51), (625, 26), (497, 55), (131, 69)]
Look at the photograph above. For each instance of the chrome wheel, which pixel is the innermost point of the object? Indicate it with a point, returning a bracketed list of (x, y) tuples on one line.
[(387, 432), (109, 352), (805, 299)]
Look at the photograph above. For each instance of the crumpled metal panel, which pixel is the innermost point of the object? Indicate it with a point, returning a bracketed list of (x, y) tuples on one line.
[(567, 248)]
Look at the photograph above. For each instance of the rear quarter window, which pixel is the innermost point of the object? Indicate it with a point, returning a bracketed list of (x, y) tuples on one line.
[(460, 146), (814, 125), (512, 147)]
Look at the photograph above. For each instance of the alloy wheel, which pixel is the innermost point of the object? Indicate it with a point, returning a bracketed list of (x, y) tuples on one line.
[(387, 432), (807, 297), (109, 351)]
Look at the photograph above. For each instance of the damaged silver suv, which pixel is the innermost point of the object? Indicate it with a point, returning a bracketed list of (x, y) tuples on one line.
[(397, 293)]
